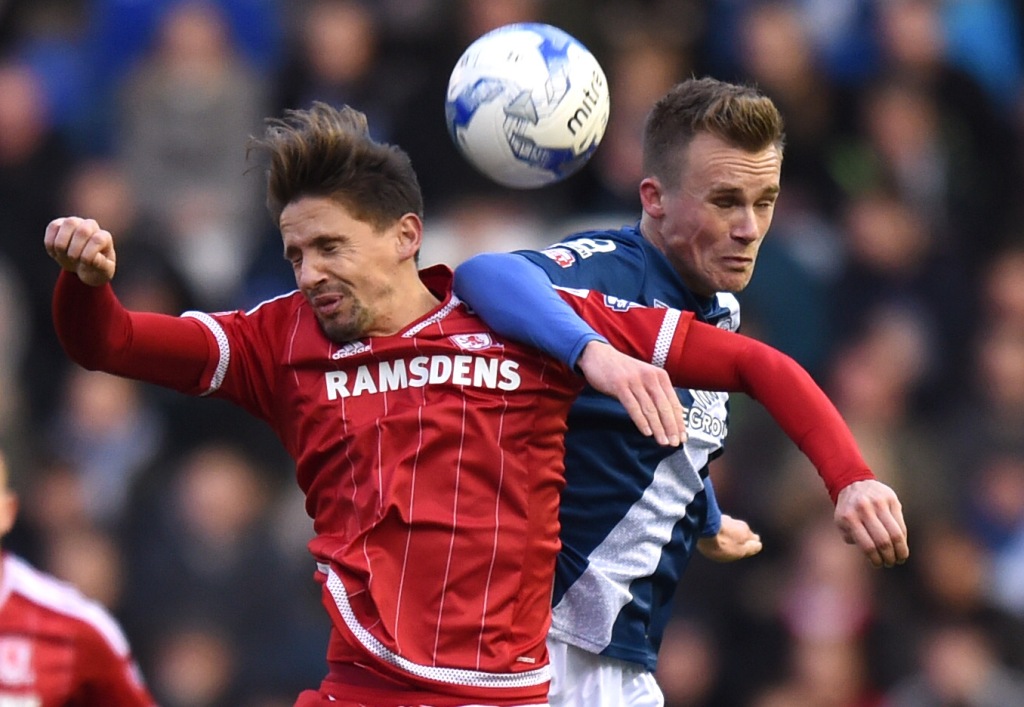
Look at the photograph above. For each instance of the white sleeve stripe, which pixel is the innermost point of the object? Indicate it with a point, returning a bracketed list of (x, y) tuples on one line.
[(222, 345), (663, 343)]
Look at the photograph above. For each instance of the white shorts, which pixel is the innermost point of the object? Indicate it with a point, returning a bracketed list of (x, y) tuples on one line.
[(580, 678)]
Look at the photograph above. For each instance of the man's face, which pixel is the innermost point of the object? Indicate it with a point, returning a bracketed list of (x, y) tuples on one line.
[(344, 267), (710, 226)]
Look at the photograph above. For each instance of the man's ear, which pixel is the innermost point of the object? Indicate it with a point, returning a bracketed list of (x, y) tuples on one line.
[(650, 197), (409, 236), (8, 511)]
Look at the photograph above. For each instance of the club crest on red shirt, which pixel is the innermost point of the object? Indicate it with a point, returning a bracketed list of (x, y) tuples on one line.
[(472, 342), (16, 662)]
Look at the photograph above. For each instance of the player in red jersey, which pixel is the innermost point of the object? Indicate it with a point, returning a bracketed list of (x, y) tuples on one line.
[(428, 448), (58, 647)]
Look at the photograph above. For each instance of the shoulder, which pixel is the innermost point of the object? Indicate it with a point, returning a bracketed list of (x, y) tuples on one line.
[(64, 602), (265, 319), (609, 260), (281, 306), (625, 241)]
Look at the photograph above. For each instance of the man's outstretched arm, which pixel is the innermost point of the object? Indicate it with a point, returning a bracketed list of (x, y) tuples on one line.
[(516, 299), (868, 513), (95, 329)]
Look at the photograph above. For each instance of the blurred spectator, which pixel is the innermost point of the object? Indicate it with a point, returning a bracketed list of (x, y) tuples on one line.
[(108, 432), (989, 416), (33, 158), (996, 512), (196, 666), (829, 595), (182, 111), (688, 664), (908, 147), (477, 18), (205, 555), (776, 52), (983, 38), (808, 628), (1001, 291), (952, 580), (48, 41), (896, 261), (840, 31), (994, 499), (831, 608), (958, 667), (90, 559), (970, 134), (118, 34), (338, 60), (54, 502), (14, 337), (822, 673)]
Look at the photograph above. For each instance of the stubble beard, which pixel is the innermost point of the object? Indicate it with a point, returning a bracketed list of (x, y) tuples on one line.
[(342, 327)]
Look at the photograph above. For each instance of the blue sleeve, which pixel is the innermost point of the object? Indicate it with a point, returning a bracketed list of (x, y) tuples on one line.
[(516, 299), (714, 520)]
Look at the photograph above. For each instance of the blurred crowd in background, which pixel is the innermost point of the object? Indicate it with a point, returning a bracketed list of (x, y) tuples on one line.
[(894, 272)]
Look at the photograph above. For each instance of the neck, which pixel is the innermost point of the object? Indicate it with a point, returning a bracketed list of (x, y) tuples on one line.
[(650, 233), (410, 305)]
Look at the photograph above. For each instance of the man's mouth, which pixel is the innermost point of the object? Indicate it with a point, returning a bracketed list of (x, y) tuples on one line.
[(326, 304)]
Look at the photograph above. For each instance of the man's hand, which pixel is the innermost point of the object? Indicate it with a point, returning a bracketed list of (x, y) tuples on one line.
[(82, 247), (734, 541), (870, 516), (643, 389)]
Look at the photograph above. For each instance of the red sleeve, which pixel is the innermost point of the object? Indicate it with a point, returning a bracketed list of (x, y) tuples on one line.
[(700, 356), (715, 359), (99, 334)]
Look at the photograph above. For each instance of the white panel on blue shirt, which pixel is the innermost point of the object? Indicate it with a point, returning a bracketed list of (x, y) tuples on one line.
[(587, 612)]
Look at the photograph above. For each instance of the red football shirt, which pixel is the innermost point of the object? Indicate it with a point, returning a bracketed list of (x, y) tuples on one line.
[(432, 462), (58, 648)]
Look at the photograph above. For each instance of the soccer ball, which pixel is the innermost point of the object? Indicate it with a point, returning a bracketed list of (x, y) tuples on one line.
[(527, 105)]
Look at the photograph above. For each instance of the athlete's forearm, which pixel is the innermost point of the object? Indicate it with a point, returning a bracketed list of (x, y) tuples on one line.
[(98, 333), (516, 299), (713, 359)]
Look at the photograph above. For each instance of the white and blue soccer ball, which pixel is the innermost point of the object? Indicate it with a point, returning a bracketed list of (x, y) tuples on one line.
[(527, 105)]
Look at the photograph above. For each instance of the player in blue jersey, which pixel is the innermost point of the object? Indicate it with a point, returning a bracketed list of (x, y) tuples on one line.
[(633, 510)]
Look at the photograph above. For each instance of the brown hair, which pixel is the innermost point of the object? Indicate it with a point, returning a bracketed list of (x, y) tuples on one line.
[(328, 152), (740, 115)]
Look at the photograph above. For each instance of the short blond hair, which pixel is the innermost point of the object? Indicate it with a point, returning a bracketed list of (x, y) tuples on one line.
[(740, 115)]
